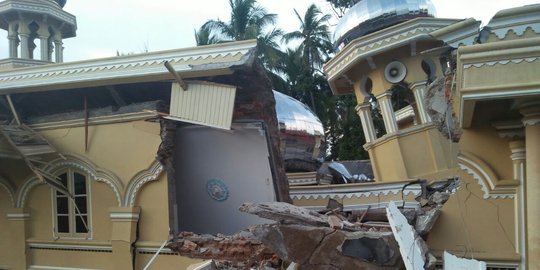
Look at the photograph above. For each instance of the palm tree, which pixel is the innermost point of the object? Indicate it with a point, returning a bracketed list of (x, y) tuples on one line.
[(314, 36), (248, 20), (205, 36)]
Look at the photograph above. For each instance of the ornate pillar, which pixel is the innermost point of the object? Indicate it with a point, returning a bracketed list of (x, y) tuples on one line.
[(43, 34), (385, 103), (364, 112), (24, 36), (419, 91), (13, 41), (518, 159), (531, 121), (59, 54), (124, 232), (18, 219)]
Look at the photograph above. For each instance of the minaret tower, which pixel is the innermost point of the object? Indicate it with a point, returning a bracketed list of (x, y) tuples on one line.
[(35, 30)]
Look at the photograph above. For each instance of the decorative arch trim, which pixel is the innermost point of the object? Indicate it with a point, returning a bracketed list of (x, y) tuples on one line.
[(24, 189), (9, 189), (151, 174), (80, 163), (491, 185)]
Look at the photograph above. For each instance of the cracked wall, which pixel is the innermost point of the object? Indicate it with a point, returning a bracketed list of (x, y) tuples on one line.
[(470, 225)]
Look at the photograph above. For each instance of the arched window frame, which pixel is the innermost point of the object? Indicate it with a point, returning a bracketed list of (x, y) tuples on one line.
[(73, 232)]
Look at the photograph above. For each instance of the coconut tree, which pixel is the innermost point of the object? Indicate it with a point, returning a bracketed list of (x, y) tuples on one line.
[(247, 20), (314, 36), (204, 36)]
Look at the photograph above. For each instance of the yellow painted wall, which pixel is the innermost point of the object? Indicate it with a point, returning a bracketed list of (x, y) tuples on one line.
[(123, 148), (8, 255), (485, 143), (154, 222), (470, 222)]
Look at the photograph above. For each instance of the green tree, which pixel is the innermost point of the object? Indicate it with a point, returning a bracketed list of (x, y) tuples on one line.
[(314, 36), (341, 6), (307, 83), (247, 20), (204, 36)]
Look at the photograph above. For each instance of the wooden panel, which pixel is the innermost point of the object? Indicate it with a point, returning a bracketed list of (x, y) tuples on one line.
[(203, 103)]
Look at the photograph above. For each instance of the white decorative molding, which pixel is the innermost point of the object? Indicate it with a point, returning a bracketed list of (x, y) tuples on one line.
[(70, 246), (9, 189), (79, 163), (124, 217), (404, 113), (366, 206), (47, 267), (353, 191), (531, 121), (461, 33), (24, 189), (502, 62), (516, 24), (509, 129), (126, 67), (18, 216), (486, 178), (141, 178), (302, 178)]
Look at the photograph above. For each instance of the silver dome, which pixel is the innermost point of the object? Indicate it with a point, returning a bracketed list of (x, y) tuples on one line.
[(301, 134), (371, 15)]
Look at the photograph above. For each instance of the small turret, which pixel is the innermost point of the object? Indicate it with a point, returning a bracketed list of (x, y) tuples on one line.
[(35, 29)]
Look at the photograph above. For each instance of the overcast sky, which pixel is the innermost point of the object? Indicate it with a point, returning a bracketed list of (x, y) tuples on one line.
[(105, 26)]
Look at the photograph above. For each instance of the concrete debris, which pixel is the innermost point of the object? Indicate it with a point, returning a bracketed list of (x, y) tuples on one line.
[(241, 250), (452, 262), (325, 248), (414, 250), (438, 103), (284, 213), (425, 222), (330, 239)]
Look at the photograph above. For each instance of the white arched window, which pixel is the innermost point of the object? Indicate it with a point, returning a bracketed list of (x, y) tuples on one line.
[(72, 215)]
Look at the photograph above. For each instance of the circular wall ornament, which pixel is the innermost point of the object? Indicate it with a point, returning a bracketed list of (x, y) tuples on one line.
[(217, 190)]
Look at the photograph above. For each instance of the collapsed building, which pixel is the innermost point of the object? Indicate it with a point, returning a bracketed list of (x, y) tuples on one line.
[(82, 188)]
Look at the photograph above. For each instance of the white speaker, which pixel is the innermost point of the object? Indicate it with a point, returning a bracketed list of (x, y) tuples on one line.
[(395, 72)]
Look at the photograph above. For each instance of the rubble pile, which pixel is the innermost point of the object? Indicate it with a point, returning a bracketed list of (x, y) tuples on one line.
[(328, 239)]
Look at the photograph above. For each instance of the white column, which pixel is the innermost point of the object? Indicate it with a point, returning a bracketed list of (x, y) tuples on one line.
[(24, 35), (419, 90), (13, 41), (518, 159), (43, 34), (385, 103), (59, 55), (59, 50), (364, 112)]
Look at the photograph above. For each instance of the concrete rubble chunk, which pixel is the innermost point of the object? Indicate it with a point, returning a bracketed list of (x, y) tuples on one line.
[(452, 262), (330, 239), (439, 107), (414, 250), (424, 223), (325, 248)]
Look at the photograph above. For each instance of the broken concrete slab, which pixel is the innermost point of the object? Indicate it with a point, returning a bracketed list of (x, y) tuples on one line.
[(325, 248), (452, 262), (424, 223), (439, 107), (414, 250)]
